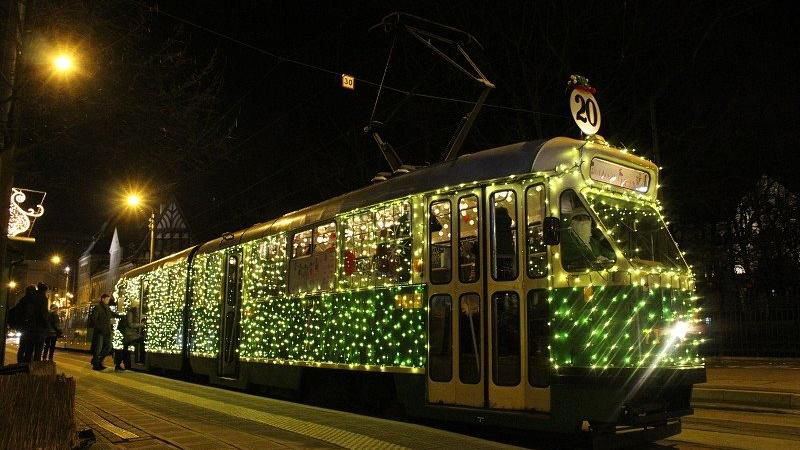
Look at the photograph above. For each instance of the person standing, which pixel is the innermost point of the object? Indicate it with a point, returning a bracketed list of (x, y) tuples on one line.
[(100, 321), (25, 312), (39, 320), (53, 333), (130, 327)]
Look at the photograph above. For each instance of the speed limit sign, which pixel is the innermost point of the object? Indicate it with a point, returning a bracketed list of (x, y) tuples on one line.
[(585, 111)]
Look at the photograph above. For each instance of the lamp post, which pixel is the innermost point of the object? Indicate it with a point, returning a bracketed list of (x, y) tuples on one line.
[(134, 200), (66, 284), (15, 40)]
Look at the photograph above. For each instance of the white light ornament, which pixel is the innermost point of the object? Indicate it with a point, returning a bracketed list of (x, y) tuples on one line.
[(20, 219)]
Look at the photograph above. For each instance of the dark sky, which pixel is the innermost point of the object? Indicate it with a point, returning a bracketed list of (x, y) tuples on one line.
[(190, 100)]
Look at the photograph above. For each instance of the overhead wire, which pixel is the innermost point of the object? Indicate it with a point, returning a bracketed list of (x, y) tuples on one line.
[(328, 71)]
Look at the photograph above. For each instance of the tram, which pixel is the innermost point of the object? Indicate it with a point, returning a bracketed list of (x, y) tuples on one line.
[(532, 286)]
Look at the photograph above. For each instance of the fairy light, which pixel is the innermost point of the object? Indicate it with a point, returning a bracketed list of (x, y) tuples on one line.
[(373, 316)]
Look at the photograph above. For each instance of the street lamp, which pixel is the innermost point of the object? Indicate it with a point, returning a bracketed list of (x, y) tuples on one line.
[(63, 63), (134, 201), (66, 283), (55, 260)]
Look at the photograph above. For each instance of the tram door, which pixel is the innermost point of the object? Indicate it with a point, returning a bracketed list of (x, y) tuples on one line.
[(456, 357), (504, 301), (141, 313), (229, 325)]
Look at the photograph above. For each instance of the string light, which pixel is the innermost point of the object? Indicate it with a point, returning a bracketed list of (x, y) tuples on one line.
[(371, 313)]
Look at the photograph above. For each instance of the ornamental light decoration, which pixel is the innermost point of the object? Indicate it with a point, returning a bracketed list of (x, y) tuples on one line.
[(21, 219)]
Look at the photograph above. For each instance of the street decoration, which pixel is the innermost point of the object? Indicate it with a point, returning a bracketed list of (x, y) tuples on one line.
[(20, 219)]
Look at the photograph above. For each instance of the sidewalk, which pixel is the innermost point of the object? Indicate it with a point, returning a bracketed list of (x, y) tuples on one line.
[(752, 382)]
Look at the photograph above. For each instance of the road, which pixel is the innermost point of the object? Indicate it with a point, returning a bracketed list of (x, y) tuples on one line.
[(138, 410)]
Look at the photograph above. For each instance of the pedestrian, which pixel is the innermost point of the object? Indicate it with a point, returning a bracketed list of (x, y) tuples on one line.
[(53, 333), (24, 309), (100, 322), (130, 328), (40, 318)]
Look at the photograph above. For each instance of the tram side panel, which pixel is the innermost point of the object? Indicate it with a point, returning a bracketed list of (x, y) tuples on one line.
[(155, 300), (278, 335)]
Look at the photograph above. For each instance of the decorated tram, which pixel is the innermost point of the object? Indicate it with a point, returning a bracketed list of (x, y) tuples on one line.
[(533, 286)]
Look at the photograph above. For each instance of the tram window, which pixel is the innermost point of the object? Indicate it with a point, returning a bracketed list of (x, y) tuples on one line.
[(377, 246), (317, 272), (469, 250), (440, 351), (536, 250), (271, 255), (505, 339), (538, 338), (504, 235), (325, 238), (393, 252), (301, 244), (469, 339), (440, 242), (583, 246), (232, 280)]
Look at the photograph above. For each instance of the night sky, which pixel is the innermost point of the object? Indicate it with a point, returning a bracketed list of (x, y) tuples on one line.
[(236, 109)]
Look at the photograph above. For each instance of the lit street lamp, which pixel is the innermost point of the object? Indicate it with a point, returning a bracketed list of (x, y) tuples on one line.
[(134, 201), (66, 284), (63, 63), (55, 260)]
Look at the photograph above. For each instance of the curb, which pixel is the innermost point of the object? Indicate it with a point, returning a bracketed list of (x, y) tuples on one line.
[(761, 399)]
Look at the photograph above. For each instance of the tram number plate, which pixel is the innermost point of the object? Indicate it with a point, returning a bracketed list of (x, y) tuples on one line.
[(585, 111)]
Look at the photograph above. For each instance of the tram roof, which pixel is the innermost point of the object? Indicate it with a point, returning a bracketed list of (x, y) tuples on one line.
[(514, 159)]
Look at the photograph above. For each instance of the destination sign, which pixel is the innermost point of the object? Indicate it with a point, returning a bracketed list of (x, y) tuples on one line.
[(619, 175)]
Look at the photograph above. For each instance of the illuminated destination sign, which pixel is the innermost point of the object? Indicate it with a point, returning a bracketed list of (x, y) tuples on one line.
[(618, 175)]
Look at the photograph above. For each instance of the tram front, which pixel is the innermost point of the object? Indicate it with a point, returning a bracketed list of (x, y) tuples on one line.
[(624, 343)]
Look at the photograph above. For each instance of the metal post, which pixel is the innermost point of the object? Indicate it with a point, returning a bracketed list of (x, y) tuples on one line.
[(152, 226), (66, 287)]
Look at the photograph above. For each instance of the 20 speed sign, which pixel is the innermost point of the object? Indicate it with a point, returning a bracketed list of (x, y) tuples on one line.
[(585, 111)]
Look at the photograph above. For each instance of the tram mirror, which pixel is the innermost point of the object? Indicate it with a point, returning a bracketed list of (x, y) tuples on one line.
[(550, 231)]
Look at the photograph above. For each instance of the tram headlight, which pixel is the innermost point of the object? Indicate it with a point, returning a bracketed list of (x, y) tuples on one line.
[(679, 329)]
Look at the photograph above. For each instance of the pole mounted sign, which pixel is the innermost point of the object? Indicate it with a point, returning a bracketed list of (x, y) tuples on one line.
[(583, 106)]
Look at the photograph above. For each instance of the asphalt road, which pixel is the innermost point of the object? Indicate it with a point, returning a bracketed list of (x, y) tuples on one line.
[(140, 410)]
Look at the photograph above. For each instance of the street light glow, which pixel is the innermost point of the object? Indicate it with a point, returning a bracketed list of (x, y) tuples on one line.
[(55, 259), (67, 269), (12, 284), (64, 63), (133, 200)]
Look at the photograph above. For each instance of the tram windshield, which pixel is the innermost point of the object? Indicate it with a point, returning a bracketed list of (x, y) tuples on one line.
[(638, 231)]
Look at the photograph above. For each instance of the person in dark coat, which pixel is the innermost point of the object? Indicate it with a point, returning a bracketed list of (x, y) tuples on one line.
[(130, 328), (26, 340), (100, 322), (53, 333), (38, 325), (505, 246)]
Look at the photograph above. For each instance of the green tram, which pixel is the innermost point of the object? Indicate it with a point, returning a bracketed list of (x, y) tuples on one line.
[(533, 286)]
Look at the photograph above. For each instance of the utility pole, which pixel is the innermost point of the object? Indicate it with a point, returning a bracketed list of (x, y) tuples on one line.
[(12, 18)]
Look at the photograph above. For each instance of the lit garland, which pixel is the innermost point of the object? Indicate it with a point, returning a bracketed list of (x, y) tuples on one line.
[(607, 326), (373, 314), (597, 327), (206, 287), (164, 293)]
